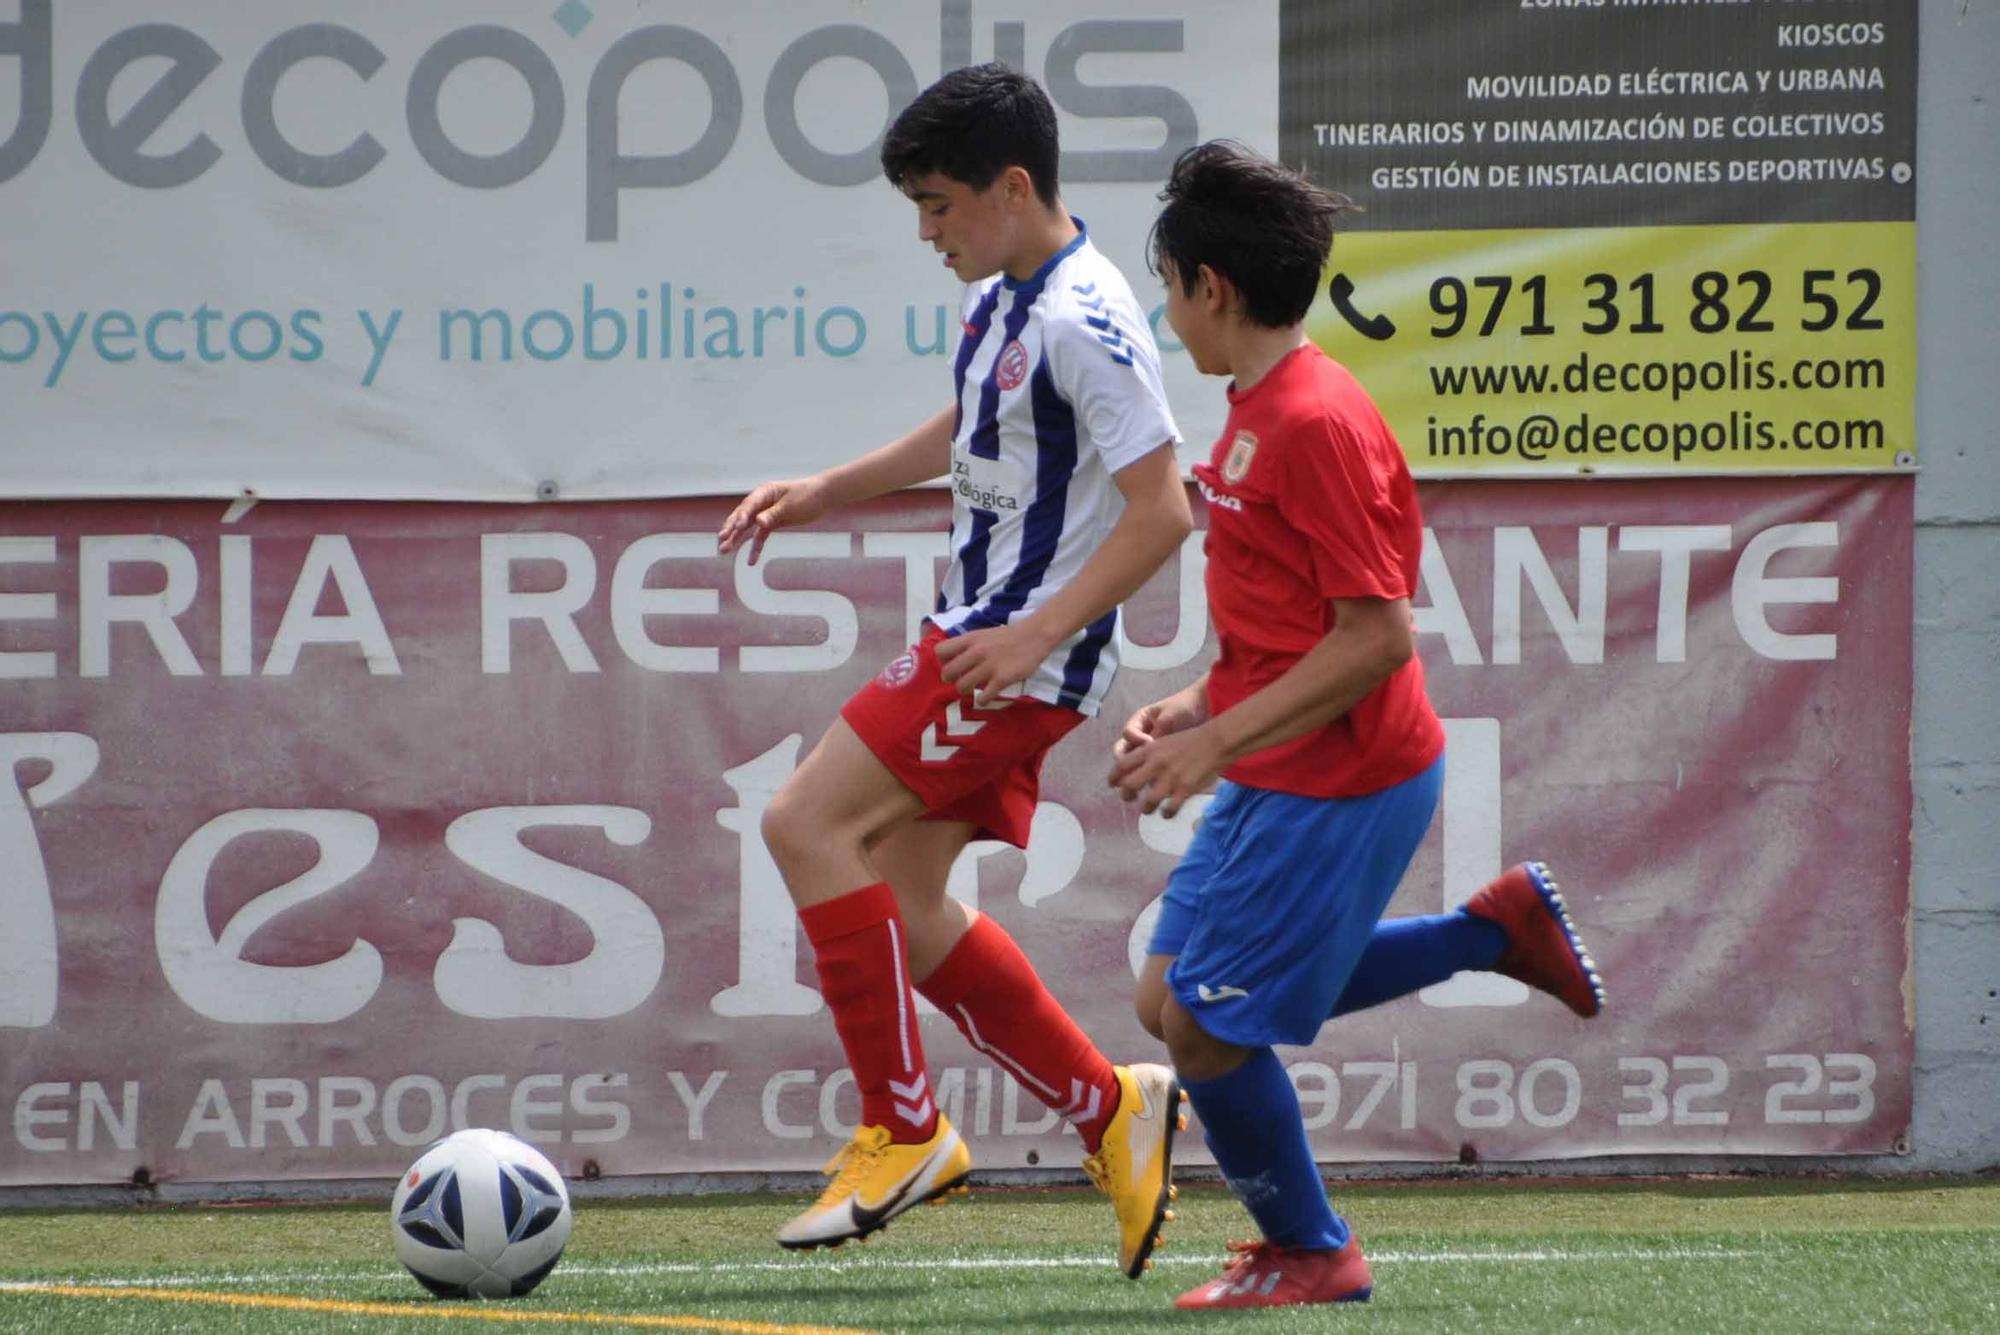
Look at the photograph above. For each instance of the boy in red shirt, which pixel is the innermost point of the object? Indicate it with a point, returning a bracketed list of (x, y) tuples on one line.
[(1315, 718)]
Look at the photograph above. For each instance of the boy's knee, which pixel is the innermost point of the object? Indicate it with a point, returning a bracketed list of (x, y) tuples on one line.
[(788, 828), (1197, 1054)]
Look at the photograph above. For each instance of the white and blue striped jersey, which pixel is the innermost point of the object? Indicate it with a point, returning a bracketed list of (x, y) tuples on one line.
[(1059, 387)]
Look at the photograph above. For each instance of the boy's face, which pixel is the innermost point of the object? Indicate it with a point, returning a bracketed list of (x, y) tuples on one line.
[(1195, 318), (975, 230)]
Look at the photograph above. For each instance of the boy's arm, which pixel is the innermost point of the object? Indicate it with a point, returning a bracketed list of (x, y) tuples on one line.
[(1371, 638), (919, 456), (1156, 519)]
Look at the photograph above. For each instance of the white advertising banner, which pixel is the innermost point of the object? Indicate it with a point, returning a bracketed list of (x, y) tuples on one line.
[(527, 248)]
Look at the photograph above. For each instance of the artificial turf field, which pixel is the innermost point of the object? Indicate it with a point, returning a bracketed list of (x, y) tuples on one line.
[(1751, 1255)]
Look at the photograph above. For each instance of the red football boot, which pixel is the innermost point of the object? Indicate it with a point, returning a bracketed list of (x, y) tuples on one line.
[(1263, 1274), (1543, 949)]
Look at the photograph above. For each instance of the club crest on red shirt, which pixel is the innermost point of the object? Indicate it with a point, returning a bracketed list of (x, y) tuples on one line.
[(1013, 367), (1241, 451)]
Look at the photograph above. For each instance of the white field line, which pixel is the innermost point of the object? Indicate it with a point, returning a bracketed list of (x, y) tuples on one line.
[(1538, 1256)]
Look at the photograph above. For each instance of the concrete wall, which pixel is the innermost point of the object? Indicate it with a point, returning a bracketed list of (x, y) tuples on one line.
[(1956, 746)]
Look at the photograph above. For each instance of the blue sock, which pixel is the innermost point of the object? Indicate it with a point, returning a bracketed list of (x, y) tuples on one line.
[(1251, 1120), (1405, 954)]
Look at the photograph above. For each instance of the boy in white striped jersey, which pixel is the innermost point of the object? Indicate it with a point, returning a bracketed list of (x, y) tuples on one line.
[(1066, 496)]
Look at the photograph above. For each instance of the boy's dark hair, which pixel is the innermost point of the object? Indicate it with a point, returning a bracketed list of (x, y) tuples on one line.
[(971, 125), (1261, 225)]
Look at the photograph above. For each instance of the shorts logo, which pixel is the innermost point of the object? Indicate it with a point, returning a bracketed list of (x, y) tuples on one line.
[(1013, 366), (935, 746), (899, 672), (1214, 994), (1241, 451)]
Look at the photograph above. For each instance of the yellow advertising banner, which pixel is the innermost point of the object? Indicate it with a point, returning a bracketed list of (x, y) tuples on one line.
[(1775, 347), (1625, 238)]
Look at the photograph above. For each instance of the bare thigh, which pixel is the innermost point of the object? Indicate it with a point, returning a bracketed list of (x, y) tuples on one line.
[(820, 825)]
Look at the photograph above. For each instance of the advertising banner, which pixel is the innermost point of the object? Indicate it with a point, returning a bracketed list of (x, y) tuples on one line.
[(528, 248), (1619, 237), (590, 250), (328, 827)]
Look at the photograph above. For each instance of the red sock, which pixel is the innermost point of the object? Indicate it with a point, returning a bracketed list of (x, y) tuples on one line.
[(996, 999), (864, 974)]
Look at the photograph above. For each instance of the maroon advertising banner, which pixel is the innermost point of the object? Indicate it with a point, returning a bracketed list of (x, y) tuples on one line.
[(327, 828)]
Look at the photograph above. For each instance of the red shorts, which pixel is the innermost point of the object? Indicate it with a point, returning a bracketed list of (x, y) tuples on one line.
[(970, 764)]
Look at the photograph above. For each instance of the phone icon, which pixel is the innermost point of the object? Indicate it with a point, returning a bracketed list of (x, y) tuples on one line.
[(1377, 327)]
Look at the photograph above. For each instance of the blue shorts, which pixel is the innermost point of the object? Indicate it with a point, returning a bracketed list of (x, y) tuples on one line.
[(1275, 900)]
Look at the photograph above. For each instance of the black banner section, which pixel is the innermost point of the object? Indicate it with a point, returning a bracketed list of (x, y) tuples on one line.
[(1568, 113)]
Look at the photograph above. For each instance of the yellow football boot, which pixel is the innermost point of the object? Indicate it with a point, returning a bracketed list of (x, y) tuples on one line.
[(1134, 1163), (874, 1180)]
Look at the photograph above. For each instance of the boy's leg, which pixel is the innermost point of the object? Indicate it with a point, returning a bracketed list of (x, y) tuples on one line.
[(906, 744), (1251, 1120), (967, 966), (1516, 924), (817, 829), (1250, 1115), (916, 860), (1274, 903), (1405, 955)]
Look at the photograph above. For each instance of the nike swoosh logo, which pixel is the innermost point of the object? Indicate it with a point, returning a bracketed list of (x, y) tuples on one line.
[(866, 1220), (1208, 993)]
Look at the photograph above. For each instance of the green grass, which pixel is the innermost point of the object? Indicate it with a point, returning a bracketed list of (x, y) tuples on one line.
[(1714, 1255)]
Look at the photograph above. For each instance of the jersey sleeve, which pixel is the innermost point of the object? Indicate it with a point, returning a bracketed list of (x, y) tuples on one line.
[(1107, 367), (1351, 504)]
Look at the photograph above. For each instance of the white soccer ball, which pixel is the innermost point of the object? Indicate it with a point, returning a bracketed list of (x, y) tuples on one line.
[(482, 1214)]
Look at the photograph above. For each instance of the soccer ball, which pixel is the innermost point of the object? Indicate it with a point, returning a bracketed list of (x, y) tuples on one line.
[(481, 1214)]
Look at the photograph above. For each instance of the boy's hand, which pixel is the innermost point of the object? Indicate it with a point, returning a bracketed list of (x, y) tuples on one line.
[(772, 506), (1166, 771), (1174, 714), (990, 663)]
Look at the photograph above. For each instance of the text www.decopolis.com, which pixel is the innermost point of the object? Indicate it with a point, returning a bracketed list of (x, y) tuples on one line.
[(1739, 372)]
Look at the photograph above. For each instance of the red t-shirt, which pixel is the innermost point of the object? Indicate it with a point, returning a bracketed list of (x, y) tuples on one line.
[(1309, 499)]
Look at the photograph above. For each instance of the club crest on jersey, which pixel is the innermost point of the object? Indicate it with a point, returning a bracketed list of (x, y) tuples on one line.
[(1013, 366), (899, 672), (1241, 451)]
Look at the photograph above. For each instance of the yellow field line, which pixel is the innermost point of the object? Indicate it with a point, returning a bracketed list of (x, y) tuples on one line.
[(428, 1312)]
